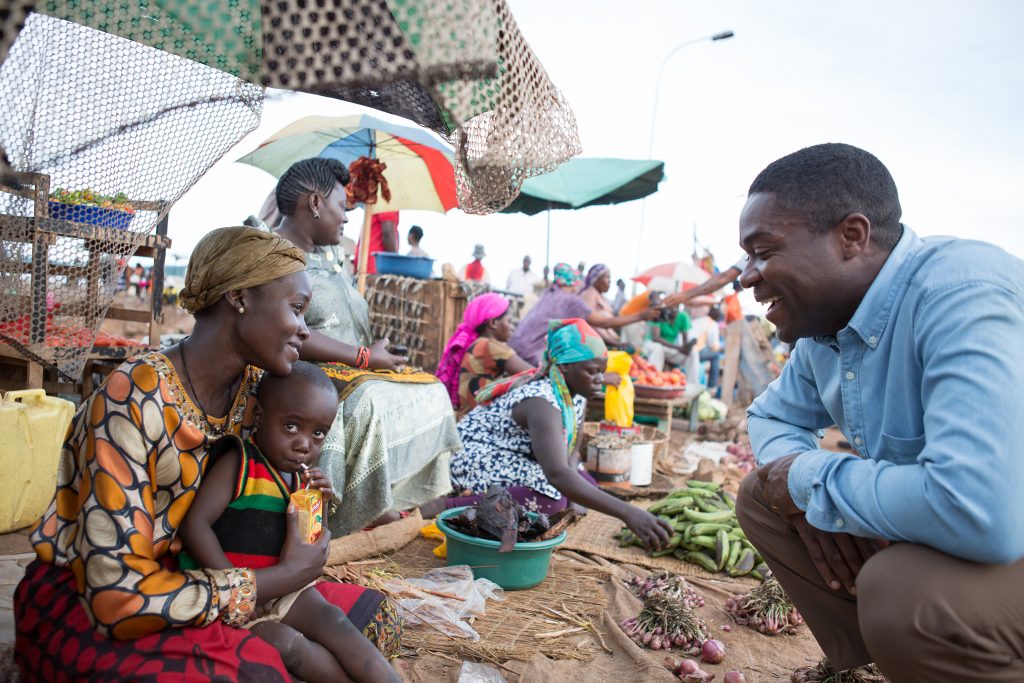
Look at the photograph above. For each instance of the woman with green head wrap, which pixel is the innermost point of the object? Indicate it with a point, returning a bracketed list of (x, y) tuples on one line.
[(523, 435)]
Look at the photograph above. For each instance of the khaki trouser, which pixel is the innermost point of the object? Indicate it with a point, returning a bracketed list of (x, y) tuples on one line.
[(919, 614)]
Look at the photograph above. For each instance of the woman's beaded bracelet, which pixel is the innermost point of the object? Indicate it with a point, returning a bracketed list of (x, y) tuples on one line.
[(363, 358)]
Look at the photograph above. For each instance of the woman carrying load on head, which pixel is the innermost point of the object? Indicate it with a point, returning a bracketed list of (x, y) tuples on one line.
[(477, 354), (391, 442), (523, 435), (105, 597)]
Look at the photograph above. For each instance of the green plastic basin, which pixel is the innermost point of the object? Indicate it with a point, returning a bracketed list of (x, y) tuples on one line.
[(524, 566)]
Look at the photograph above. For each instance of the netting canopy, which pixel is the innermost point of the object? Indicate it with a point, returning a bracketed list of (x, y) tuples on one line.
[(124, 104)]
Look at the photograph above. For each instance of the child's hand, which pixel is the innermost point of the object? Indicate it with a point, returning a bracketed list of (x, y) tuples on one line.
[(315, 477)]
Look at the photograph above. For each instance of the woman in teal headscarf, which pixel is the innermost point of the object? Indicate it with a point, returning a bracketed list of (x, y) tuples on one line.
[(523, 435)]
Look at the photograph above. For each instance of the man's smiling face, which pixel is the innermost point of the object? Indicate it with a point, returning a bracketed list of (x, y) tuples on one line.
[(793, 269)]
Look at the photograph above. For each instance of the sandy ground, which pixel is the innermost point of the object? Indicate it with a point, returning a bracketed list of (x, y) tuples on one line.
[(15, 552)]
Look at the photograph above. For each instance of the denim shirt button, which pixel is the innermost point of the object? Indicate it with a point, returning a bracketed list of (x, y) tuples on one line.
[(839, 522), (850, 375), (857, 440), (872, 340)]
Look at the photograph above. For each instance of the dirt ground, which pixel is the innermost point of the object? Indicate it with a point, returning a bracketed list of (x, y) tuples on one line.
[(762, 659)]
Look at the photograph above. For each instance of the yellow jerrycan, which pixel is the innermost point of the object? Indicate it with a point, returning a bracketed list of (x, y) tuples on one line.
[(32, 430)]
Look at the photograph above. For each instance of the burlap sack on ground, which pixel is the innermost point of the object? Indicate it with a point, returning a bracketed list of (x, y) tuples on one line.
[(383, 539)]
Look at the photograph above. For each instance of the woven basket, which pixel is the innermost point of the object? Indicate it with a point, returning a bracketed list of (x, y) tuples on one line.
[(647, 435)]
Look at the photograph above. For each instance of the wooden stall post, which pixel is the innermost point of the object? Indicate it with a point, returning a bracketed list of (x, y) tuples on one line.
[(364, 249)]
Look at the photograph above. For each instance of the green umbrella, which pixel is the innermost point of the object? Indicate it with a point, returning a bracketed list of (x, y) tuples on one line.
[(583, 181)]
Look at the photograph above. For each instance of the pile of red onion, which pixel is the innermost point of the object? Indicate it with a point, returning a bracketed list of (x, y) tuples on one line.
[(766, 609)]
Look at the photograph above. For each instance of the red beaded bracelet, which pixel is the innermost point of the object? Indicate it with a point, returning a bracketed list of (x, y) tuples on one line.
[(363, 358)]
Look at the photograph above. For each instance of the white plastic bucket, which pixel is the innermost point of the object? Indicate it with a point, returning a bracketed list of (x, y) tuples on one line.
[(642, 464)]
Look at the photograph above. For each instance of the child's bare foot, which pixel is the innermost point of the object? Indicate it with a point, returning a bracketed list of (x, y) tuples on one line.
[(432, 508)]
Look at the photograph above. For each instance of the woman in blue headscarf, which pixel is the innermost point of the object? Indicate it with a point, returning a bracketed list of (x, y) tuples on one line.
[(523, 435)]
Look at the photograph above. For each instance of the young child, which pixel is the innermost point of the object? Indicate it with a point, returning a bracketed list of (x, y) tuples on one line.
[(239, 519)]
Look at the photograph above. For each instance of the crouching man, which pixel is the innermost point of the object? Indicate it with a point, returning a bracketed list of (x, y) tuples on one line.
[(909, 553)]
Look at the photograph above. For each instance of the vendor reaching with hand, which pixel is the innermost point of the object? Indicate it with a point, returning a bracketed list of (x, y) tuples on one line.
[(909, 553), (524, 435)]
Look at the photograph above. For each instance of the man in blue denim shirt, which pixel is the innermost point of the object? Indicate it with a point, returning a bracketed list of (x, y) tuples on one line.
[(909, 553)]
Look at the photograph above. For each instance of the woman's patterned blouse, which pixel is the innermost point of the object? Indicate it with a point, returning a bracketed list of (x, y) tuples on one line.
[(130, 468)]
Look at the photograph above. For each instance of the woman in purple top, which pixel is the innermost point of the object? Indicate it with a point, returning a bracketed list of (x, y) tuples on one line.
[(559, 302)]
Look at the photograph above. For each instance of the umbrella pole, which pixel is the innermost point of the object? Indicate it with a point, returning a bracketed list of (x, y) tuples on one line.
[(547, 252), (364, 248)]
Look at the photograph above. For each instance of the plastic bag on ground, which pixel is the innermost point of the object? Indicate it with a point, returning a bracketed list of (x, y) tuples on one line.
[(475, 672), (443, 597)]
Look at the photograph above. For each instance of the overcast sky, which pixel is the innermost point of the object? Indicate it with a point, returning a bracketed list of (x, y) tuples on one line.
[(934, 89)]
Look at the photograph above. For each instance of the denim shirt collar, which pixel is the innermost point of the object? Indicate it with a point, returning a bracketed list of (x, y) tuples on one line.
[(872, 315)]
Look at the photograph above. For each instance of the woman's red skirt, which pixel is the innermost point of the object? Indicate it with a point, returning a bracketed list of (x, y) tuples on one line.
[(56, 642)]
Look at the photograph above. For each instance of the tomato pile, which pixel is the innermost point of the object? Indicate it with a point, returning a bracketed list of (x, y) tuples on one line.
[(645, 374), (61, 335)]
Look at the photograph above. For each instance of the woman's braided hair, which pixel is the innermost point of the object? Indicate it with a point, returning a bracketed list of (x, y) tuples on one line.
[(309, 175)]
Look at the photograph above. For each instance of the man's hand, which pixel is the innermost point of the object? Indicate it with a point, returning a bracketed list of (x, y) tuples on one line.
[(612, 379), (837, 557), (775, 476), (651, 313)]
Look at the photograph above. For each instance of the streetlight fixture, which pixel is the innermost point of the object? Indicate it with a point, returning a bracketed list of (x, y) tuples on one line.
[(722, 35)]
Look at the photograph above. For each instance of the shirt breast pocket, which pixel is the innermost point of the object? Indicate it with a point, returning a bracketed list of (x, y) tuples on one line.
[(901, 449)]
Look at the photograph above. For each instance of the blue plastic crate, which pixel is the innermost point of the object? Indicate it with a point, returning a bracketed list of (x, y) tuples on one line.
[(389, 263), (91, 215)]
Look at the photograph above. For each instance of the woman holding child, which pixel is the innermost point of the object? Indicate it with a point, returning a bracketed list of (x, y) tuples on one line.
[(105, 597)]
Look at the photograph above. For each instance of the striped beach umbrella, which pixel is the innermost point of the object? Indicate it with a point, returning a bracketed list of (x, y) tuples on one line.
[(419, 166)]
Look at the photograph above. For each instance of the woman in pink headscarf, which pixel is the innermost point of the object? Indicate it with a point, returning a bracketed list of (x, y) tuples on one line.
[(477, 354)]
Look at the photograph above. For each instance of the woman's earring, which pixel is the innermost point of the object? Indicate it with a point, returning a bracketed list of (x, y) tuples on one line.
[(316, 214), (241, 310)]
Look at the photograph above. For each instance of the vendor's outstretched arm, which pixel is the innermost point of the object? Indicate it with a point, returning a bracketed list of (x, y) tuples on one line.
[(599, 319), (544, 423), (709, 286)]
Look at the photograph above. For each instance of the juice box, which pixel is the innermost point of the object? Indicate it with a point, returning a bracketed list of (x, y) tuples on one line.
[(310, 506)]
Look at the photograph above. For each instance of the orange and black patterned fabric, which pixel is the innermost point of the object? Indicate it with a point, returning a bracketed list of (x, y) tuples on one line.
[(105, 599), (130, 468)]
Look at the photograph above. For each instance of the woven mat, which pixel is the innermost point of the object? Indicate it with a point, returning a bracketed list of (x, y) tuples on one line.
[(594, 535), (508, 629)]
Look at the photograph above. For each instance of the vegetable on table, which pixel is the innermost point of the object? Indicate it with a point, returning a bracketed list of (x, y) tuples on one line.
[(87, 197)]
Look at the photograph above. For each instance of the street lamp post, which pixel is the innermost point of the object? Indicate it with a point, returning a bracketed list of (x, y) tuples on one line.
[(723, 35)]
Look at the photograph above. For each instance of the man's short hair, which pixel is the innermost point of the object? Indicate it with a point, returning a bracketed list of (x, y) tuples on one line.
[(417, 232), (826, 183)]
